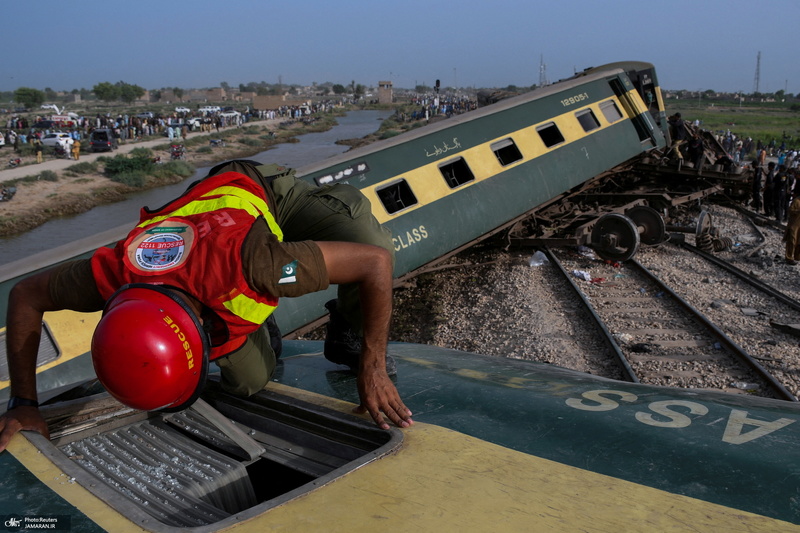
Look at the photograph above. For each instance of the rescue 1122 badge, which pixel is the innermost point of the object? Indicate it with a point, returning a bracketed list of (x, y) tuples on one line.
[(160, 247)]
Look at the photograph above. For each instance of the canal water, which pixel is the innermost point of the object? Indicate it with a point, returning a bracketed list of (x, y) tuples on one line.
[(312, 148)]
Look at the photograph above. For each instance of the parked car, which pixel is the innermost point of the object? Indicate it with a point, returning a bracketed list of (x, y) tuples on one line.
[(209, 109), (145, 114), (56, 137), (102, 140), (180, 109), (194, 122), (44, 124)]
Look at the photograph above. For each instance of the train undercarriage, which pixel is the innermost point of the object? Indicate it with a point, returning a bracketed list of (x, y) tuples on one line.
[(644, 201)]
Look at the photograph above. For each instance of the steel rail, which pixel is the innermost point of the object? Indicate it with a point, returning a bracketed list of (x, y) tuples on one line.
[(607, 336), (741, 274), (723, 338)]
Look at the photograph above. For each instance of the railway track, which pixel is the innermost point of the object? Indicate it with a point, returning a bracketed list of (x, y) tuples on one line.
[(488, 299), (657, 336)]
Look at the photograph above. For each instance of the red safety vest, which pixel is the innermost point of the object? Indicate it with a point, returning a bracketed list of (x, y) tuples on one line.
[(194, 244)]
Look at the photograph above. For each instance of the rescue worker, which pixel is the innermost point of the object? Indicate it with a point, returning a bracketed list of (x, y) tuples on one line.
[(678, 133), (197, 281), (37, 145), (792, 234), (76, 149)]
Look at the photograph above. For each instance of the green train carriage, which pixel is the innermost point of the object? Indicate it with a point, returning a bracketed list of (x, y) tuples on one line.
[(443, 186)]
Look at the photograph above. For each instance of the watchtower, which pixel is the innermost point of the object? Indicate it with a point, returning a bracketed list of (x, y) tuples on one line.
[(385, 92)]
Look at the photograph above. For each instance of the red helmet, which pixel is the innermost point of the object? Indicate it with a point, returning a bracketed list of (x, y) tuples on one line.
[(149, 349)]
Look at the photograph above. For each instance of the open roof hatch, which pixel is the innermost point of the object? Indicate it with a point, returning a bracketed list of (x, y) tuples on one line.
[(222, 460)]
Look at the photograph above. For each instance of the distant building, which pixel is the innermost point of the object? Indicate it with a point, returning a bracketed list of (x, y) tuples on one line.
[(244, 96), (385, 92)]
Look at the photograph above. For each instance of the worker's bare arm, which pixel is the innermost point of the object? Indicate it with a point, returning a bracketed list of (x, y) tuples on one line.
[(370, 267), (27, 303)]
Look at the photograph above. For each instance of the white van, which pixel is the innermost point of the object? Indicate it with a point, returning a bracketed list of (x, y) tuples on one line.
[(209, 109)]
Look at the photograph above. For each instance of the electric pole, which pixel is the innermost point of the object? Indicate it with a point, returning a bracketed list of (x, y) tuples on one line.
[(542, 72), (758, 73)]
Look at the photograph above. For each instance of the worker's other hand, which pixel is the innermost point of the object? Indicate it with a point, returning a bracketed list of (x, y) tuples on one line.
[(21, 418), (379, 397)]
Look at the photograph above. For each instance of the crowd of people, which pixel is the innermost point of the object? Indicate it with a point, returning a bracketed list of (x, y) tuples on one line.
[(775, 194), (775, 168), (20, 130), (431, 106)]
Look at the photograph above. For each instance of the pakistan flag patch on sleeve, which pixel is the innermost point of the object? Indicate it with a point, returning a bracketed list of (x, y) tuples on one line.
[(288, 273)]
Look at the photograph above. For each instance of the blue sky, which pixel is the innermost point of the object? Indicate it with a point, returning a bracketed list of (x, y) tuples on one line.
[(699, 44)]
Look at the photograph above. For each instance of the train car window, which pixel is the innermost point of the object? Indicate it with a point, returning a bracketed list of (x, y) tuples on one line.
[(397, 196), (506, 151), (610, 111), (587, 119), (550, 134), (456, 172)]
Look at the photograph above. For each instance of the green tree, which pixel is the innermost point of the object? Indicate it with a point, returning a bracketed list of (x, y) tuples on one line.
[(106, 91), (178, 92), (128, 93), (29, 97), (338, 89)]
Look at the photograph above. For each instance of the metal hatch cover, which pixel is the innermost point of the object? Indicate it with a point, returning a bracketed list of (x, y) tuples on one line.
[(48, 350), (166, 471)]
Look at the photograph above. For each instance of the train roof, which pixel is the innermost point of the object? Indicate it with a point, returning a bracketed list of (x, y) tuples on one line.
[(498, 443)]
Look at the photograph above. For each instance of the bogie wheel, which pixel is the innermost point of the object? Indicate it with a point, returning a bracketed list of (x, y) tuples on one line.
[(652, 229), (615, 237)]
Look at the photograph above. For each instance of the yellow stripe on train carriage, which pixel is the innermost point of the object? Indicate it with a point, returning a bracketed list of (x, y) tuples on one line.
[(72, 334), (427, 183)]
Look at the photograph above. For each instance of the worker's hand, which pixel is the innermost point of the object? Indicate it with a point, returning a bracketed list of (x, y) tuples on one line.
[(21, 418), (379, 395)]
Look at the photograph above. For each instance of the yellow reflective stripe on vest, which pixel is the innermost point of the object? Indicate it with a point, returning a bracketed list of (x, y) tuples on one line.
[(249, 309), (260, 204), (230, 197)]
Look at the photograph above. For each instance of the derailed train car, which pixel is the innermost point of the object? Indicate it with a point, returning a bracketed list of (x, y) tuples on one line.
[(441, 187)]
